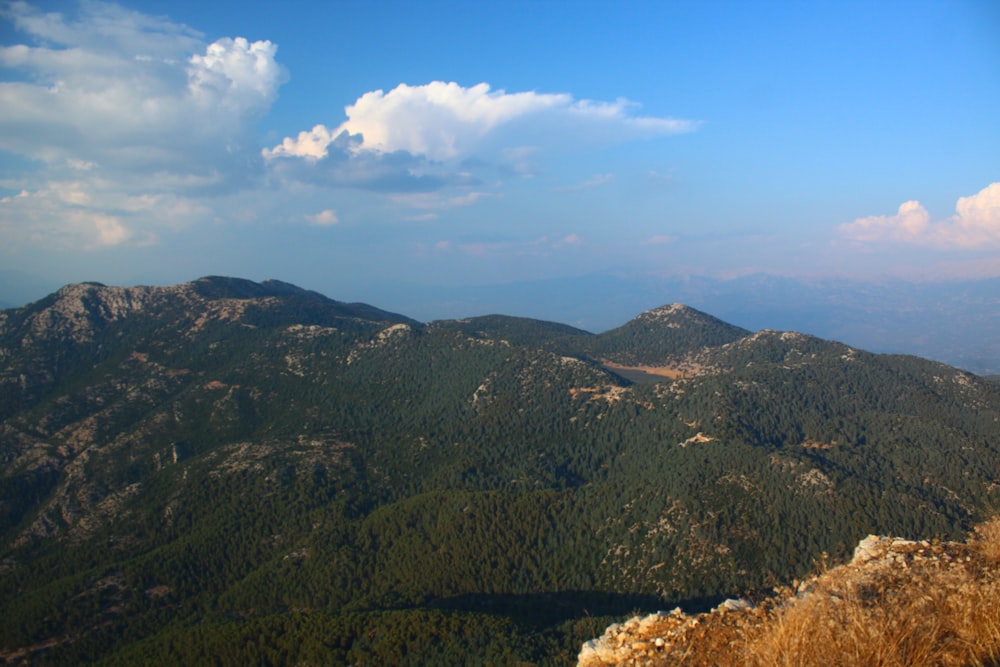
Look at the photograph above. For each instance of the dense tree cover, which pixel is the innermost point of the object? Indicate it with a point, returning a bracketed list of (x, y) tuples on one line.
[(254, 474), (658, 335)]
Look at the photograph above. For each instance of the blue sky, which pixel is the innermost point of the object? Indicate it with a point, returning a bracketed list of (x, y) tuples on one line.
[(353, 147)]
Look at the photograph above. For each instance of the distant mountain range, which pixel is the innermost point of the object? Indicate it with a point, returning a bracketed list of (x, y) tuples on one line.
[(950, 321), (253, 473)]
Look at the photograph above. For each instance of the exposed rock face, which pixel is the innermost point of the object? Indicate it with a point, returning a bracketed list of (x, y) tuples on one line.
[(725, 635), (661, 638), (139, 337), (670, 315)]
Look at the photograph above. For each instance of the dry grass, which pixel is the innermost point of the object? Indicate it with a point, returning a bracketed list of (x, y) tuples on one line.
[(986, 540), (897, 604), (939, 609)]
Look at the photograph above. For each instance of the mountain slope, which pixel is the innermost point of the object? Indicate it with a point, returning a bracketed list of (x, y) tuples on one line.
[(517, 330), (663, 334), (186, 467)]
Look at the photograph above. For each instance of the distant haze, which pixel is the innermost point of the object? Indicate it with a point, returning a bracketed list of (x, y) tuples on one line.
[(953, 322)]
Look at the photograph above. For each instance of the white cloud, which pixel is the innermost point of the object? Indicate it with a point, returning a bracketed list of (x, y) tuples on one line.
[(977, 219), (121, 107), (311, 145), (324, 218), (238, 75), (104, 26), (445, 121), (73, 215), (910, 223), (59, 217), (976, 224), (110, 230), (319, 158), (116, 110)]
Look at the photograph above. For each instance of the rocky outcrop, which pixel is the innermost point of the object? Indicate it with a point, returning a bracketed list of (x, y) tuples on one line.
[(665, 637), (883, 569)]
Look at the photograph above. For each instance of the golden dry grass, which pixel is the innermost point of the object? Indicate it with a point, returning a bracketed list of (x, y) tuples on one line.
[(986, 540), (939, 610), (897, 604)]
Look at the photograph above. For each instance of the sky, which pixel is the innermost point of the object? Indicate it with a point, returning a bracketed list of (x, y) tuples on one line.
[(357, 148)]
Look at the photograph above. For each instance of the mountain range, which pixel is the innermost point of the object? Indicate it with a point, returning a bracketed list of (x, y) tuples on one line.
[(236, 472), (889, 315)]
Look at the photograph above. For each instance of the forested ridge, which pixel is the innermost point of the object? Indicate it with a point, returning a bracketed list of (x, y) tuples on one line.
[(232, 472)]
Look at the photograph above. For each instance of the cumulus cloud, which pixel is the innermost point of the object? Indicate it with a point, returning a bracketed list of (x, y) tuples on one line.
[(341, 164), (146, 94), (438, 120), (976, 224), (129, 106), (239, 75), (910, 223), (446, 123)]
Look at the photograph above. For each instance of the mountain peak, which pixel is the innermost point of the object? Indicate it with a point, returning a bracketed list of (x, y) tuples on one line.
[(667, 312), (76, 310), (664, 333), (677, 315), (224, 287)]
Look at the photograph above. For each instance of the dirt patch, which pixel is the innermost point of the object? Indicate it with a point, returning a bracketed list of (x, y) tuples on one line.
[(671, 371)]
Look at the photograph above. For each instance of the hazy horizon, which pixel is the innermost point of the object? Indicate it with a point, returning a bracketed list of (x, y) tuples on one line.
[(891, 316)]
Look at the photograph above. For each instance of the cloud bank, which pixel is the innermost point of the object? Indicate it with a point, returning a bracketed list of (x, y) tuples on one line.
[(146, 94), (127, 111), (976, 224), (428, 130)]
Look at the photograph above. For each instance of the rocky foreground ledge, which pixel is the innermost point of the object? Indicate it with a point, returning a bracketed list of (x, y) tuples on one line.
[(897, 602)]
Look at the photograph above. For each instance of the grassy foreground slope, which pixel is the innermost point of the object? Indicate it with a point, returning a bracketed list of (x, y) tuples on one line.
[(897, 603)]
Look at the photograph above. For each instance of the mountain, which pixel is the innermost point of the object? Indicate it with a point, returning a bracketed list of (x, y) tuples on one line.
[(662, 334), (895, 316), (245, 473), (517, 330)]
